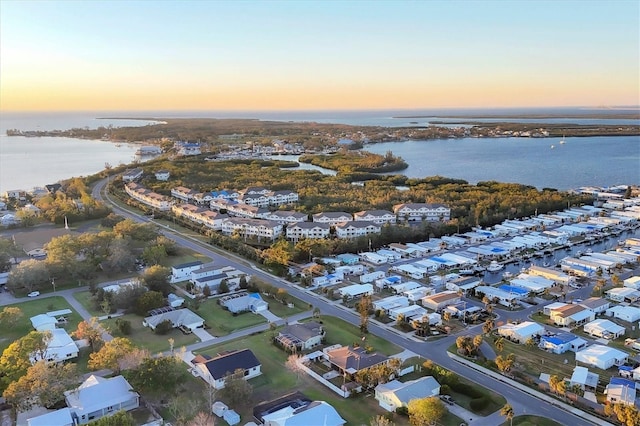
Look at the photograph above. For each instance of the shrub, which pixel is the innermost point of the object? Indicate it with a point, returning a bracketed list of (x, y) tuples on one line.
[(124, 326), (164, 327), (403, 411)]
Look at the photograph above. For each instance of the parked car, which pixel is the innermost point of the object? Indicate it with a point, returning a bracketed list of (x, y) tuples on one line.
[(447, 399), (34, 294)]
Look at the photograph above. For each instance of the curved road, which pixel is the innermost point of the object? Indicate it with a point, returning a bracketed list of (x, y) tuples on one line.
[(522, 402)]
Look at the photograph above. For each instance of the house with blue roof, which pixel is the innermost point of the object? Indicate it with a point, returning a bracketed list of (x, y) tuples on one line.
[(562, 343), (622, 391)]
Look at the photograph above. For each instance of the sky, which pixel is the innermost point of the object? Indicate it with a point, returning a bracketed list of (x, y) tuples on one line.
[(315, 55)]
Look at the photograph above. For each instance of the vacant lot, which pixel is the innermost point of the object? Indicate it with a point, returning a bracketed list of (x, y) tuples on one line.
[(221, 322), (32, 308), (531, 421), (343, 333)]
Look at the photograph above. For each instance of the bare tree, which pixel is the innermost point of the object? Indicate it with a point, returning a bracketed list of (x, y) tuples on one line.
[(294, 365)]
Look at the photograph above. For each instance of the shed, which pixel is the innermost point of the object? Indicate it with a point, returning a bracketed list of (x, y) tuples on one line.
[(218, 408), (601, 356)]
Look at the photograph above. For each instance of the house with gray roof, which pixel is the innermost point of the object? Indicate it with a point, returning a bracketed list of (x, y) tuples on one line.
[(244, 302), (99, 397), (301, 336), (180, 318), (395, 394)]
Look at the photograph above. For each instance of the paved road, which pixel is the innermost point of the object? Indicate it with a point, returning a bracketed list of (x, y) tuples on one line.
[(436, 350)]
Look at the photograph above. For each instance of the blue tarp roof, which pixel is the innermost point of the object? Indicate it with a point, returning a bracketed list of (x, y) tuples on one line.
[(512, 289), (623, 382), (625, 368), (439, 260), (394, 279)]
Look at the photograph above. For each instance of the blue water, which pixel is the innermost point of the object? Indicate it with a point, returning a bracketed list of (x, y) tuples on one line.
[(598, 161), (25, 163)]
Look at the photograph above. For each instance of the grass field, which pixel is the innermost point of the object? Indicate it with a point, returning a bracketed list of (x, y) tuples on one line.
[(221, 322), (144, 337), (32, 308), (343, 333), (84, 298)]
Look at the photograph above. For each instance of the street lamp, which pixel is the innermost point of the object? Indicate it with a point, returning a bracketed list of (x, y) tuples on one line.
[(53, 283)]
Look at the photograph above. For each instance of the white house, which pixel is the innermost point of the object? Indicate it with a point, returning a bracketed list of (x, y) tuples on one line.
[(182, 272), (132, 175), (623, 294), (395, 394), (601, 356), (148, 197), (604, 328), (624, 313), (99, 397), (180, 318), (632, 282), (60, 347), (596, 305), (621, 391), (327, 280), (162, 175), (371, 277), (215, 370), (252, 228), (356, 290), (244, 302), (304, 414), (522, 332), (562, 343)]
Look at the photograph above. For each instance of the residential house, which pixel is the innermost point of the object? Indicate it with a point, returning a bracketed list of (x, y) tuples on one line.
[(311, 230), (327, 280), (596, 305), (301, 336), (356, 291), (413, 212), (183, 319), (16, 194), (439, 301), (162, 175), (182, 272), (244, 302), (349, 360), (623, 294), (562, 343), (99, 397), (621, 391), (355, 229), (60, 347), (215, 370), (395, 394), (602, 357), (379, 217), (187, 148), (604, 328), (571, 315), (521, 333), (296, 409), (61, 417), (624, 313), (132, 175), (583, 378), (632, 282)]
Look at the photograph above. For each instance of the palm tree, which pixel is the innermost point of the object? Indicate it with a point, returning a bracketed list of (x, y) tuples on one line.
[(500, 344), (507, 411)]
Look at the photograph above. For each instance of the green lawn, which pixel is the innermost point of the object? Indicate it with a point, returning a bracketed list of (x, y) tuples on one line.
[(85, 299), (531, 421), (35, 307), (221, 322), (276, 381), (344, 333), (144, 337), (283, 311)]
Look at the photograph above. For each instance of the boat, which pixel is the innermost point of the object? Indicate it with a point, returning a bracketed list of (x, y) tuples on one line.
[(562, 141), (494, 266), (553, 146), (507, 275)]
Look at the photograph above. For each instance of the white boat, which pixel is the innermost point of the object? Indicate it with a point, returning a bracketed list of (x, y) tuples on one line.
[(553, 146), (494, 266), (562, 141)]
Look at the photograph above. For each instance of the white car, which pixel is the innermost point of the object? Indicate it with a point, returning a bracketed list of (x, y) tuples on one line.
[(34, 294)]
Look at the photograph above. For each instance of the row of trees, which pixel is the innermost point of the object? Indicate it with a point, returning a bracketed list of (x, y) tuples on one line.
[(82, 257)]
